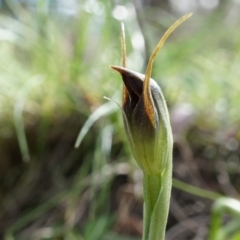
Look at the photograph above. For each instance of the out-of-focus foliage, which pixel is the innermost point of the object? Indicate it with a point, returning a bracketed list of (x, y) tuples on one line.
[(54, 59), (221, 207)]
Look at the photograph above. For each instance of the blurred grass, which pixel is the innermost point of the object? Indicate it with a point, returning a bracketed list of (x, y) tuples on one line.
[(54, 73)]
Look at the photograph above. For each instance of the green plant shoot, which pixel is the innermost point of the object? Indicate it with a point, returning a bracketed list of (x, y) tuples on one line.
[(147, 125)]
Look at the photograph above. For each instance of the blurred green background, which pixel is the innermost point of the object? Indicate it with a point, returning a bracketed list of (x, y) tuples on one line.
[(54, 74)]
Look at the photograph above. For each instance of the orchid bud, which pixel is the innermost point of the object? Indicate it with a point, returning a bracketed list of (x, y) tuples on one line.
[(146, 121), (145, 113)]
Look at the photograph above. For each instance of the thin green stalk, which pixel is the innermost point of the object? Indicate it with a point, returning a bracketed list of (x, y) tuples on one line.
[(152, 188), (157, 190)]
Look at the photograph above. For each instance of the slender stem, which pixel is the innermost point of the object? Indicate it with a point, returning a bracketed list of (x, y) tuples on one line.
[(152, 188), (157, 190)]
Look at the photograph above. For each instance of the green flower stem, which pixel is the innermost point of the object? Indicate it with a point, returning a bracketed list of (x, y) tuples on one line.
[(157, 190)]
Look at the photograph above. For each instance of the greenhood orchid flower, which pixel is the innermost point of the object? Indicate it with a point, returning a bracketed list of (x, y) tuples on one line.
[(148, 130), (146, 121)]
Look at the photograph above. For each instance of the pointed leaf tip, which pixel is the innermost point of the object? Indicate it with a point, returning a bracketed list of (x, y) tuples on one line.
[(116, 68)]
